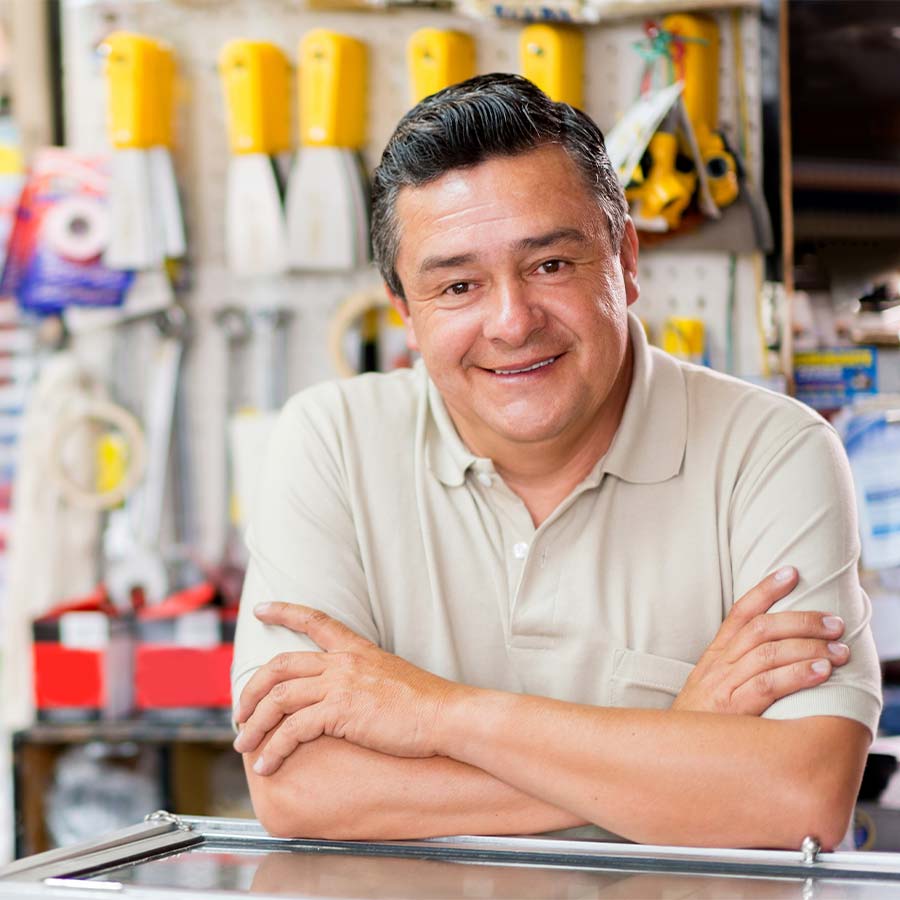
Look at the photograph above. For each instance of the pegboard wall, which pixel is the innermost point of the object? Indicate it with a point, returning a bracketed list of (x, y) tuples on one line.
[(720, 287)]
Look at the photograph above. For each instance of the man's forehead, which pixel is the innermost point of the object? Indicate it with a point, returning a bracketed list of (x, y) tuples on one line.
[(518, 197)]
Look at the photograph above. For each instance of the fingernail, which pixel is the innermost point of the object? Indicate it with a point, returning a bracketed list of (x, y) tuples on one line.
[(262, 608), (238, 743), (820, 667), (838, 649), (832, 623), (260, 766), (785, 573)]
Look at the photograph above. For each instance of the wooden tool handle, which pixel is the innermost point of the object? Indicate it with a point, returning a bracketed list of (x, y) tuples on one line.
[(333, 73), (256, 82), (438, 59), (552, 56)]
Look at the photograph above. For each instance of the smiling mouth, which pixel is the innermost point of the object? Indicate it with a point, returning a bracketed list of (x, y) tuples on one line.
[(538, 365)]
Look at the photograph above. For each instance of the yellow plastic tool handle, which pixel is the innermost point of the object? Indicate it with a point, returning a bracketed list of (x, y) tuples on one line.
[(132, 67), (162, 112), (333, 73), (552, 56), (257, 84), (438, 59), (700, 68)]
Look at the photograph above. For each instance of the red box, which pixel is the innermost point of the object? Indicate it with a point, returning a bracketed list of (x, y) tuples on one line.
[(82, 661), (183, 654)]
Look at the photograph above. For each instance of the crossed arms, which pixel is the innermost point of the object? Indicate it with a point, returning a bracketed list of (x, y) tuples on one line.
[(356, 743)]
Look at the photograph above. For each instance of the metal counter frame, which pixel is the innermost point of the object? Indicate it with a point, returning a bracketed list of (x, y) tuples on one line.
[(59, 873)]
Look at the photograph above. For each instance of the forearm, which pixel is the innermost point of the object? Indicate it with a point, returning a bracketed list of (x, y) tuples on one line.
[(330, 788), (667, 777)]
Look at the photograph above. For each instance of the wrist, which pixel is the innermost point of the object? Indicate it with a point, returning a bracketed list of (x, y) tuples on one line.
[(469, 719)]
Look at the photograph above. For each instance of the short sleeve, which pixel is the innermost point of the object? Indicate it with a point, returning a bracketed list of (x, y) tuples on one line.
[(302, 542), (796, 506)]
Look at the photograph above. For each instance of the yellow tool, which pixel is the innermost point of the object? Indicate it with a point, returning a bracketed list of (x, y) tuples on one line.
[(256, 83), (552, 56), (660, 196), (684, 338), (333, 74), (133, 67), (700, 66), (146, 223), (256, 79), (438, 59), (327, 210), (111, 461)]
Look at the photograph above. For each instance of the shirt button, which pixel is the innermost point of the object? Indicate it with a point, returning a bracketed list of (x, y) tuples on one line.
[(484, 479), (520, 550)]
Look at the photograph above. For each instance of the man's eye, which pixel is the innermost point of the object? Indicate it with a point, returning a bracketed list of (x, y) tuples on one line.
[(461, 287), (551, 266)]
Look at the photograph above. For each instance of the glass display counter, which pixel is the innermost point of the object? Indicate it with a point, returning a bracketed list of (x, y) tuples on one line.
[(169, 856)]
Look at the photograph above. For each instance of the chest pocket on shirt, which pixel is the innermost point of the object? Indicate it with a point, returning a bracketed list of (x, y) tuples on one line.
[(645, 681)]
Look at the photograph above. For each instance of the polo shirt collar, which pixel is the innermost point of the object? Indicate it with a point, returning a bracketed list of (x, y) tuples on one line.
[(448, 457), (649, 443)]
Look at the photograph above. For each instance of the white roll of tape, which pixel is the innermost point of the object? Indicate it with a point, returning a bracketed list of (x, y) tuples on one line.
[(76, 228)]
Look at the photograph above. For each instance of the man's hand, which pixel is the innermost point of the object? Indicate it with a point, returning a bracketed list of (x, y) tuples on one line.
[(758, 657), (353, 690)]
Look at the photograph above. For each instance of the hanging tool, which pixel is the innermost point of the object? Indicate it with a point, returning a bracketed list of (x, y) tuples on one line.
[(552, 56), (696, 60), (438, 58), (249, 428), (136, 570), (162, 172), (256, 82), (327, 207), (228, 575), (145, 215), (661, 189)]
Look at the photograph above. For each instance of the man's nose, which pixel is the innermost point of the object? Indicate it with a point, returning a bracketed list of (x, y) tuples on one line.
[(513, 314)]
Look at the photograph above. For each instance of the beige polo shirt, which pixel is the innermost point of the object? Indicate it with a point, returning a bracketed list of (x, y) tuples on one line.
[(372, 509)]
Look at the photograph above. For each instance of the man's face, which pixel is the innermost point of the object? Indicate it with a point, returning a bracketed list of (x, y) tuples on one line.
[(516, 298)]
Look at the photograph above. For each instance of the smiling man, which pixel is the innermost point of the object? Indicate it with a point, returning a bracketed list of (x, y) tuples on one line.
[(496, 594)]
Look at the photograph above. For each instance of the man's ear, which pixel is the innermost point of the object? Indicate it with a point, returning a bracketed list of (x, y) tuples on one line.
[(401, 307), (628, 259)]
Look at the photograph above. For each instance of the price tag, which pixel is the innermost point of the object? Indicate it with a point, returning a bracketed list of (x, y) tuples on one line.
[(198, 629), (84, 630)]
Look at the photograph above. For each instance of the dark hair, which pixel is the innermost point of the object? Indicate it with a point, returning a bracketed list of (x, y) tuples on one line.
[(470, 122)]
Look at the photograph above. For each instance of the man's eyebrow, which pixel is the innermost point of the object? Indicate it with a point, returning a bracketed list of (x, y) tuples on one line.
[(551, 237), (430, 263)]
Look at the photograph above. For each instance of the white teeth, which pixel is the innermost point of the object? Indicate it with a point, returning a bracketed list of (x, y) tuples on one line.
[(539, 365)]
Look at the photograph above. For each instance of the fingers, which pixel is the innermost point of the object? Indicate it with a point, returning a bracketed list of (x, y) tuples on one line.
[(285, 698), (756, 601), (328, 633), (771, 627), (282, 668), (760, 692), (298, 728), (789, 656)]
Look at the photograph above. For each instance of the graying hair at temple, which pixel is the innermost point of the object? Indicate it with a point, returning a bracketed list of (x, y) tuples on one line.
[(485, 117)]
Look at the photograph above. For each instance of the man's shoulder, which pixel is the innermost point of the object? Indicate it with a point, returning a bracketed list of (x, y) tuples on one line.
[(372, 406), (740, 407)]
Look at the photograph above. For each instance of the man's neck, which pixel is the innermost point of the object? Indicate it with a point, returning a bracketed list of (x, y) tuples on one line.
[(544, 474)]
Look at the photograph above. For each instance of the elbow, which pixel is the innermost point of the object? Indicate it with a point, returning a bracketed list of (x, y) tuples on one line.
[(285, 812), (820, 782), (820, 807), (825, 816), (282, 817)]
